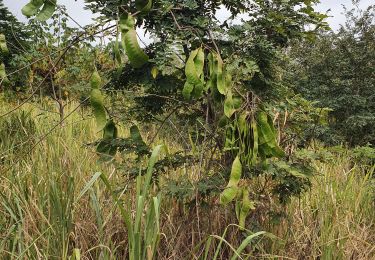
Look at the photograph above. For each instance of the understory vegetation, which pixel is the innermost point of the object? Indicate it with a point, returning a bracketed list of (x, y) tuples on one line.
[(247, 138)]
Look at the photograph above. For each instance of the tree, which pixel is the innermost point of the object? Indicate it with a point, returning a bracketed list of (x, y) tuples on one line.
[(16, 37), (15, 32), (338, 71), (218, 79)]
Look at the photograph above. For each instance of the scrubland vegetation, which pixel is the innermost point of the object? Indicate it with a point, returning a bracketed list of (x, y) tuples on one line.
[(215, 141)]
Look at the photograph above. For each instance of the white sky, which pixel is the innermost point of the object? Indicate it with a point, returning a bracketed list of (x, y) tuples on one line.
[(76, 11)]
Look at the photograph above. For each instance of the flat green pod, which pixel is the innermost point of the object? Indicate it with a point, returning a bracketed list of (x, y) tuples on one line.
[(125, 24), (266, 133), (47, 11), (245, 207), (32, 8), (220, 78), (3, 75), (97, 103), (198, 90), (110, 132), (229, 105), (144, 6), (95, 80), (154, 72), (278, 152), (134, 52), (116, 46), (264, 150), (254, 129), (228, 195), (135, 134), (236, 172), (187, 90), (199, 62), (191, 70), (3, 45)]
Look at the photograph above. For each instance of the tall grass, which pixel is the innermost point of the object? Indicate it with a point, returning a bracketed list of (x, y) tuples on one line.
[(57, 201), (336, 219)]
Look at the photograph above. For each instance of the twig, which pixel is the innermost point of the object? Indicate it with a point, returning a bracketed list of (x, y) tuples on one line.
[(74, 41), (163, 122)]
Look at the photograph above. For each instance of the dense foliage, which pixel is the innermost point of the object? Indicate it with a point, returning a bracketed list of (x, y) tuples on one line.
[(338, 71), (238, 104)]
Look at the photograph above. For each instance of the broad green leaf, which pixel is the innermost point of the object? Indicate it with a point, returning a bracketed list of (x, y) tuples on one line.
[(3, 45), (134, 52), (76, 254), (263, 149), (47, 11), (278, 152), (290, 169), (97, 103), (150, 168), (125, 23), (32, 8)]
